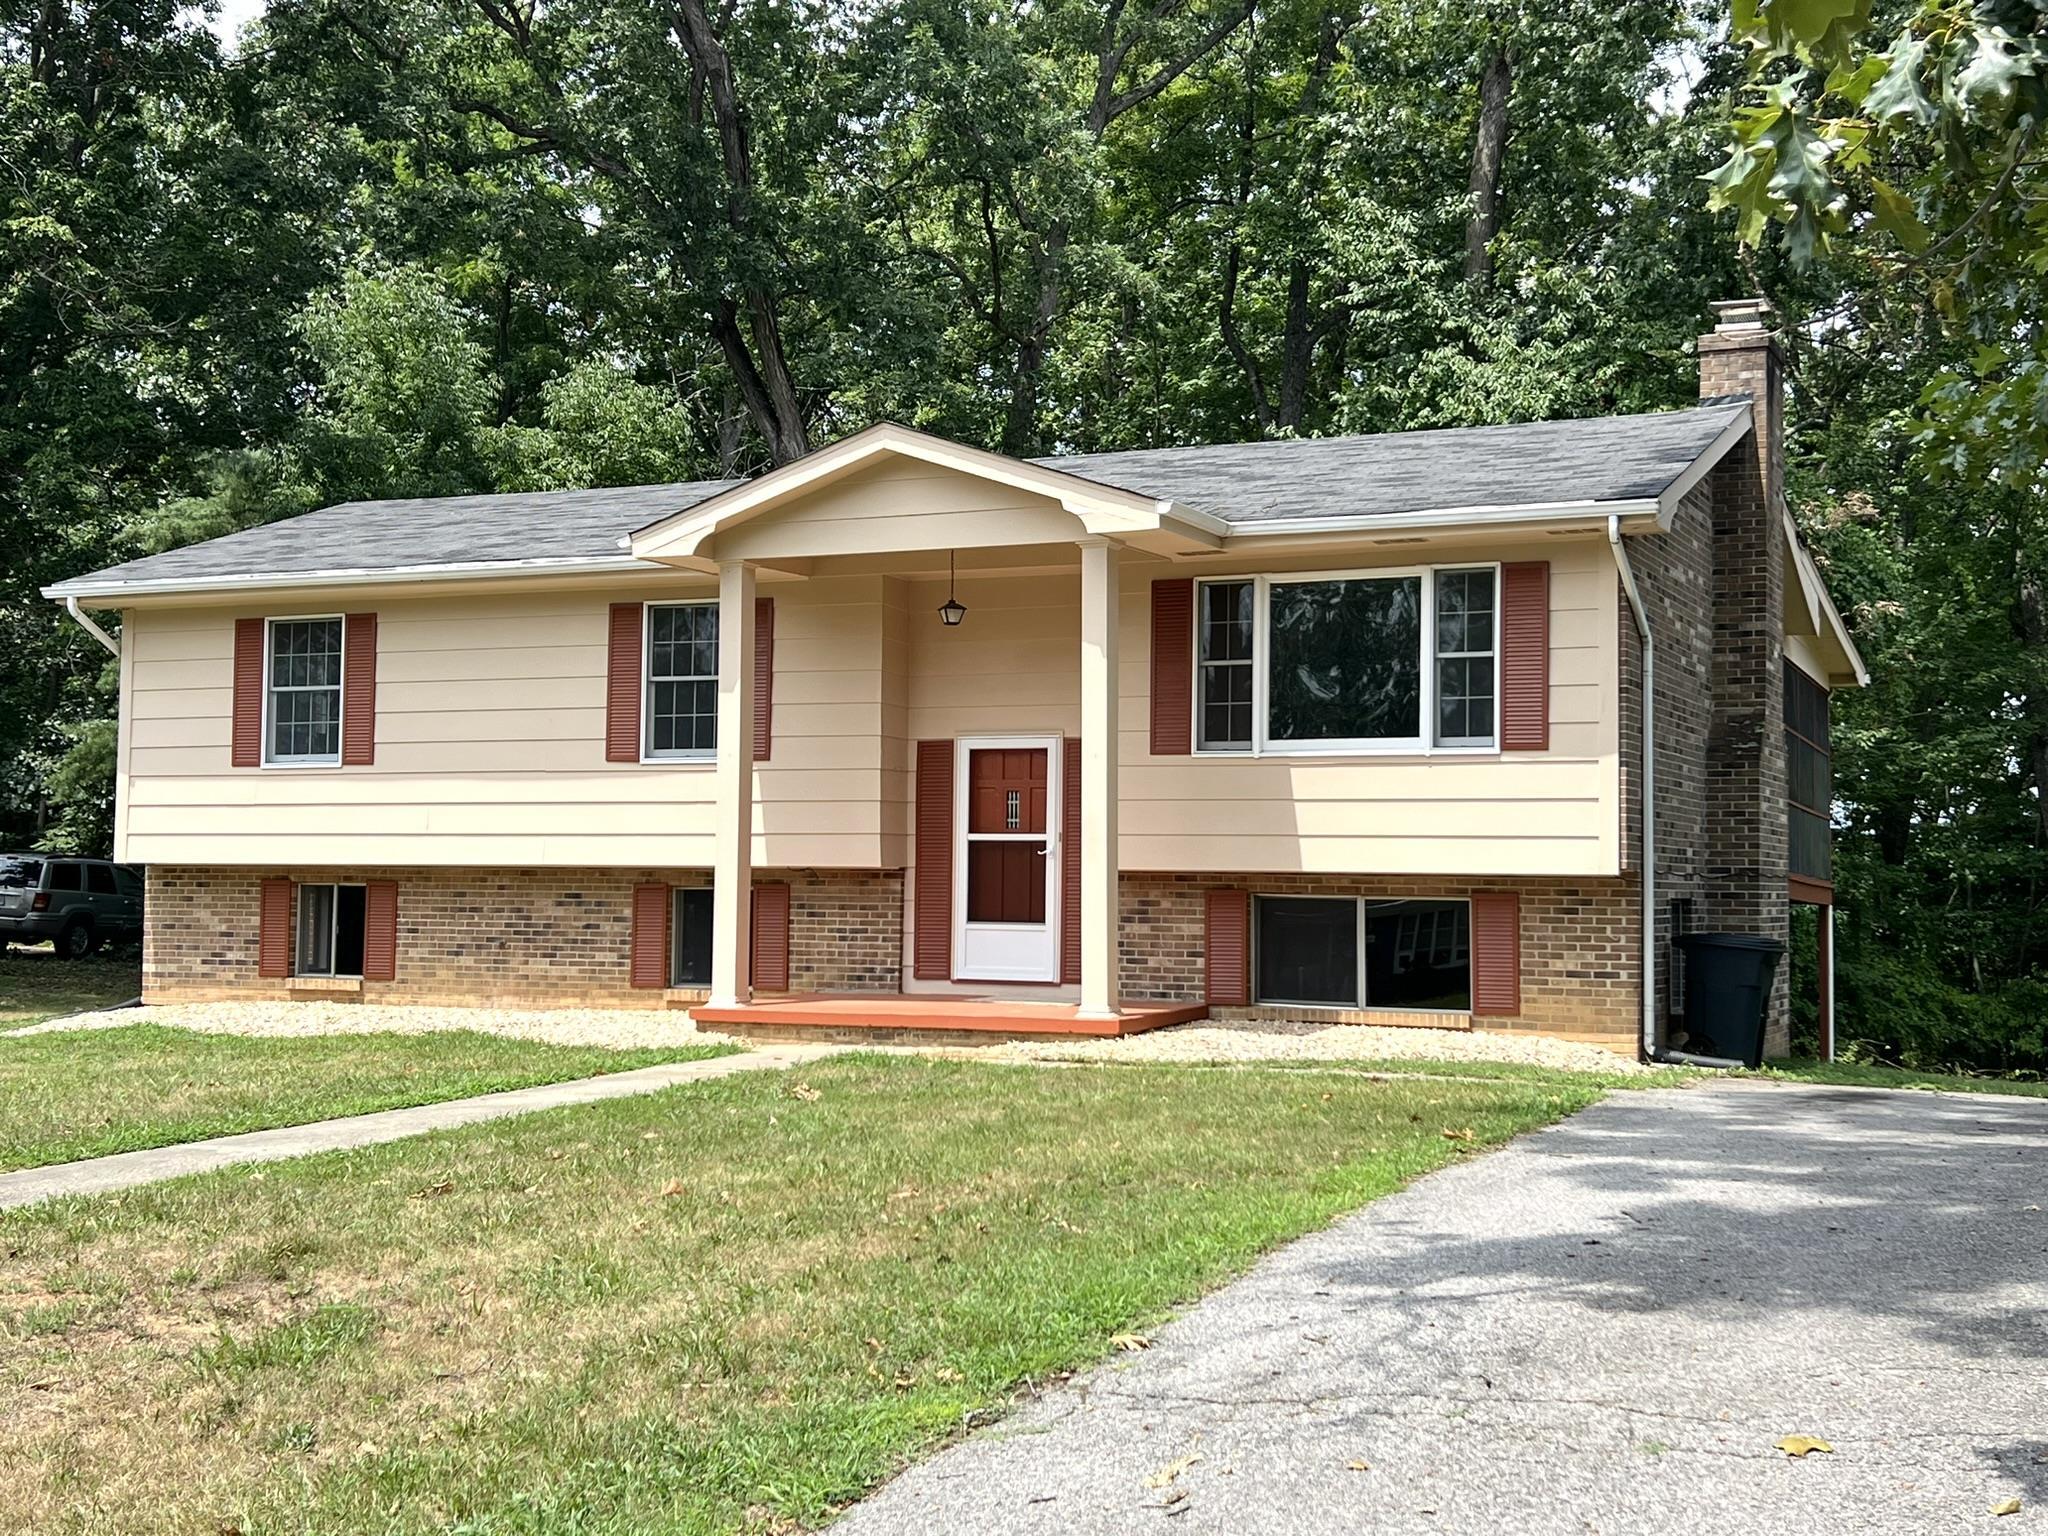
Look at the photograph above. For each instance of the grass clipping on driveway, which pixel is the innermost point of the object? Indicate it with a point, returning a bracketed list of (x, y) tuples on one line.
[(727, 1307), (85, 1093)]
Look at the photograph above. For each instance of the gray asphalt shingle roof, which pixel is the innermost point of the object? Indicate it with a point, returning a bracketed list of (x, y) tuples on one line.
[(1598, 459)]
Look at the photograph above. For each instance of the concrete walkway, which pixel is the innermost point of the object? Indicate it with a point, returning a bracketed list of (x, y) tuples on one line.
[(1602, 1328), (125, 1169)]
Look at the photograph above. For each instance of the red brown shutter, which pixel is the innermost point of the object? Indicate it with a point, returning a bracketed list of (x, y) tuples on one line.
[(1173, 666), (248, 731), (1497, 953), (274, 927), (931, 947), (770, 937), (1070, 862), (359, 691), (622, 686), (650, 935), (1525, 656), (764, 676), (1227, 950), (380, 929)]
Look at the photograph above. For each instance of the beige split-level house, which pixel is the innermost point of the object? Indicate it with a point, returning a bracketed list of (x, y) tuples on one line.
[(1349, 728)]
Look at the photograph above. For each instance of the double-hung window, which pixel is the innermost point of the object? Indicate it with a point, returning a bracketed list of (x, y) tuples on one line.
[(331, 928), (682, 679), (1381, 660), (302, 692)]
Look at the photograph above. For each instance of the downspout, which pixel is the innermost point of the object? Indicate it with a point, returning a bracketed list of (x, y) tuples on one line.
[(71, 607), (1649, 854)]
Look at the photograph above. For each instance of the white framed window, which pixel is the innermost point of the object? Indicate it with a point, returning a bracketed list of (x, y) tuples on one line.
[(331, 925), (1408, 955), (681, 702), (1401, 660), (302, 691)]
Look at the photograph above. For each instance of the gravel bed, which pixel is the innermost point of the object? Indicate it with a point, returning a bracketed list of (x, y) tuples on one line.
[(1307, 1041), (619, 1028), (623, 1028)]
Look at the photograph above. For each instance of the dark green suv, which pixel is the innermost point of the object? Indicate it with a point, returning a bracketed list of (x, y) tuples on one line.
[(79, 903)]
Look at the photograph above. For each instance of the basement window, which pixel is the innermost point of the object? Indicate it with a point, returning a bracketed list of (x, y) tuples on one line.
[(689, 962), (330, 930), (1417, 954)]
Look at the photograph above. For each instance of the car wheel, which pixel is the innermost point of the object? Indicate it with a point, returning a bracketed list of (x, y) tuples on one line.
[(78, 940)]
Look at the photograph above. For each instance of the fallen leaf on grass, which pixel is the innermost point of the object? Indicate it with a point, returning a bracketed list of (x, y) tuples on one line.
[(1801, 1445), (672, 1187), (1172, 1469), (1464, 1133), (805, 1092), (2006, 1507), (439, 1187), (1129, 1343)]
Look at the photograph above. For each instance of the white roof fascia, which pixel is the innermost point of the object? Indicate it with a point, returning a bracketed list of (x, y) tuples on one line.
[(1820, 603), (1672, 494), (1445, 518), (264, 581)]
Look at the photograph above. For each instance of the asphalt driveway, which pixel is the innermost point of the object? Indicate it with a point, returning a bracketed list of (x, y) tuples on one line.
[(1603, 1328)]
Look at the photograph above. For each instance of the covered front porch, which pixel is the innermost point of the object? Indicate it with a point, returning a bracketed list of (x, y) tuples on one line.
[(1009, 899)]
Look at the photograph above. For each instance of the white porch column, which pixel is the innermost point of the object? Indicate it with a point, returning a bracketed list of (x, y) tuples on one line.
[(1098, 778), (732, 869)]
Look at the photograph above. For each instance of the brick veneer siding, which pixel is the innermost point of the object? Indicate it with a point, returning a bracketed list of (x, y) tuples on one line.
[(543, 938), (1675, 573), (1581, 962)]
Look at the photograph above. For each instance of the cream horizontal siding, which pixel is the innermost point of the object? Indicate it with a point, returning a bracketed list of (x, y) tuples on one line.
[(490, 740), (490, 744)]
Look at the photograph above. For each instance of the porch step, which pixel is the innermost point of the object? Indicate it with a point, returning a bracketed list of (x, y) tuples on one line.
[(925, 1019)]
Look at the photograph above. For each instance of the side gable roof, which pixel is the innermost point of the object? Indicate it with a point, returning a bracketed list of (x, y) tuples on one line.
[(1507, 473)]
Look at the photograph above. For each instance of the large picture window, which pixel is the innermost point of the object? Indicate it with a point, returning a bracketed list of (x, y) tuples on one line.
[(1395, 660), (682, 679), (1416, 954), (302, 692)]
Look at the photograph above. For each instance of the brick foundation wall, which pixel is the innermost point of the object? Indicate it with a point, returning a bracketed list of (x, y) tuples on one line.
[(1581, 962), (542, 938)]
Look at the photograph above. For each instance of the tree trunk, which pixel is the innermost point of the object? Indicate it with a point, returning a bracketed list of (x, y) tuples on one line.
[(754, 353), (1489, 147), (2034, 697)]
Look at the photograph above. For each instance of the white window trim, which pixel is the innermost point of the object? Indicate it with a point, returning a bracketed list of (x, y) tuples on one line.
[(694, 757), (1424, 745), (1359, 910), (270, 760), (299, 889)]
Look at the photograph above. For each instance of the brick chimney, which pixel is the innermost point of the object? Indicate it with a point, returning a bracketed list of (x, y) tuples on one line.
[(1747, 836)]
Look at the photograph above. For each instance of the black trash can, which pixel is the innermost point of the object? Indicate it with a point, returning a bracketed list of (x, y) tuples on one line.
[(1727, 991)]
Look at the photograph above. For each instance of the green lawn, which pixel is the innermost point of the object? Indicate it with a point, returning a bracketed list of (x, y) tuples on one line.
[(1853, 1074), (37, 984), (88, 1092), (729, 1307)]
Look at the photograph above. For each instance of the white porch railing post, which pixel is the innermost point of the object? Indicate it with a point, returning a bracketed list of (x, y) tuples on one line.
[(732, 873), (1098, 778)]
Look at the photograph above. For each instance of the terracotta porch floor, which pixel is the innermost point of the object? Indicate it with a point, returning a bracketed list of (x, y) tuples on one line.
[(942, 1015)]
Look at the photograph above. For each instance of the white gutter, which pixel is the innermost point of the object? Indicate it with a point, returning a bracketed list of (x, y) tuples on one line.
[(1649, 855), (71, 607), (263, 581), (1535, 513)]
